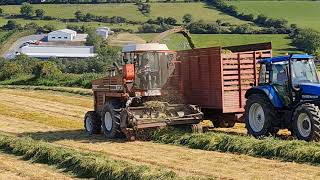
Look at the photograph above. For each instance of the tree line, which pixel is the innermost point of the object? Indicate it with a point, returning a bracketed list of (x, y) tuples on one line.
[(261, 19)]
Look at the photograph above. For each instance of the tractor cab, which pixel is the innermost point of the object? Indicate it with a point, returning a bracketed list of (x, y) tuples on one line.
[(293, 77), (287, 96), (151, 63)]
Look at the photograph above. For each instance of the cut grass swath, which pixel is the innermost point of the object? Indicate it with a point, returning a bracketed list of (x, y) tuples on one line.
[(271, 148), (86, 165), (79, 91)]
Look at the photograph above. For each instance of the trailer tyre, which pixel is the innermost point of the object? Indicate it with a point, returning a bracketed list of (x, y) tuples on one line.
[(92, 123), (306, 122), (110, 121), (259, 113)]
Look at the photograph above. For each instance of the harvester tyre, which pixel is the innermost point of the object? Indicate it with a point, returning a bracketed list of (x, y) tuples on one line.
[(110, 121), (306, 122), (92, 123), (259, 113)]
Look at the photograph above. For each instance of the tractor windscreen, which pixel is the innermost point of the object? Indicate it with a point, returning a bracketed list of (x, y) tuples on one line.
[(304, 71), (153, 69)]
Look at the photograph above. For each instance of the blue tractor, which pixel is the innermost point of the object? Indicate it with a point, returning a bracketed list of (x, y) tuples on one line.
[(287, 96)]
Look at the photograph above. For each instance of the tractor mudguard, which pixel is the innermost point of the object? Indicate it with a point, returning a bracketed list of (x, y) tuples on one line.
[(269, 91)]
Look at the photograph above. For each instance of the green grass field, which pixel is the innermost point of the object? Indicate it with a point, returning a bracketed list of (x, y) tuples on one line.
[(130, 11), (60, 25), (303, 13), (280, 43)]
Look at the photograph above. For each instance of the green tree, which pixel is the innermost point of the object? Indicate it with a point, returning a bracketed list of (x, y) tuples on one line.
[(308, 40), (40, 13), (46, 69), (26, 10), (12, 25), (9, 69), (1, 11), (79, 15), (187, 18), (171, 21), (48, 28)]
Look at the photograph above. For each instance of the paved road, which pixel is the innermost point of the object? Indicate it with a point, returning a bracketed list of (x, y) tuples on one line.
[(15, 47)]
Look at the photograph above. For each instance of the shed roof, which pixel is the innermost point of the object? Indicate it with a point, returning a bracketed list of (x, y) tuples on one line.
[(145, 47), (69, 31)]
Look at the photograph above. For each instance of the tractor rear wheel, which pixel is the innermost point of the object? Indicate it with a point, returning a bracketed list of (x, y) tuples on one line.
[(110, 121), (92, 123), (259, 113), (306, 122)]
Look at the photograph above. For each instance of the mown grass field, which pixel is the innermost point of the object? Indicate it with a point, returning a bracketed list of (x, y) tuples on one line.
[(303, 13), (130, 11), (14, 168), (280, 43), (184, 162)]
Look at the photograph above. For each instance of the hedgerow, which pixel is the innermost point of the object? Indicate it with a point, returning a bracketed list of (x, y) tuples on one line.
[(79, 91)]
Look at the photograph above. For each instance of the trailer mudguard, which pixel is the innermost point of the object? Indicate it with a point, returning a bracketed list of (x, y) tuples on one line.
[(269, 91)]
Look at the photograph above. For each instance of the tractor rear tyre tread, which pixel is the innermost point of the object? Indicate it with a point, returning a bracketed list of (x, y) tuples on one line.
[(314, 115), (95, 123), (115, 116), (270, 115)]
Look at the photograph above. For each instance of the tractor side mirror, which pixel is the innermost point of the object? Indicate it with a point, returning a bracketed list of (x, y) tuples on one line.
[(269, 67)]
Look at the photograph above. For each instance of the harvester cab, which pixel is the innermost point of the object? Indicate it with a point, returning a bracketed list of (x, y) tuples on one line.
[(132, 95), (147, 67), (287, 96)]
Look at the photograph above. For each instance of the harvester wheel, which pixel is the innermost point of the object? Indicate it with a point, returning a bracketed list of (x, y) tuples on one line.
[(306, 122), (92, 123), (259, 113), (110, 121), (197, 128)]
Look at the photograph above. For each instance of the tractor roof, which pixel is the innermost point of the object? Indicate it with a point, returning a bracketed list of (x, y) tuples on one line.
[(145, 47), (285, 58)]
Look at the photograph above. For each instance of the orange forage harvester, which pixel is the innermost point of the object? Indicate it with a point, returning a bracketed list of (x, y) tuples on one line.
[(128, 72)]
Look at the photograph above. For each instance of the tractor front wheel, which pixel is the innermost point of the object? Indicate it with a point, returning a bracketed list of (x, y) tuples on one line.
[(306, 122), (259, 112), (92, 123), (110, 121)]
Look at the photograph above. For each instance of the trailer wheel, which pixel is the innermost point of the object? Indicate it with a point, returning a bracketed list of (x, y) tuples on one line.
[(221, 123), (306, 122), (110, 121), (92, 123), (259, 113)]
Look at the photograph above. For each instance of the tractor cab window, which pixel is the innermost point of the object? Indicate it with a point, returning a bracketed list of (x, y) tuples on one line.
[(264, 75), (279, 74), (280, 81), (304, 71)]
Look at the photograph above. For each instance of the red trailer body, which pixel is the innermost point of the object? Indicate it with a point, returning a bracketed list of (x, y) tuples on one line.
[(217, 78)]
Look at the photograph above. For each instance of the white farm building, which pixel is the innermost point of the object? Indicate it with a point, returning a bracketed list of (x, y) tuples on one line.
[(58, 51), (62, 35)]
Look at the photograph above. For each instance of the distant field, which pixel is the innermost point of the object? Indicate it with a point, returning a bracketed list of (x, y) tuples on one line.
[(280, 43), (200, 11), (59, 24), (303, 13), (130, 11)]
